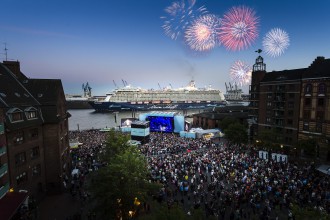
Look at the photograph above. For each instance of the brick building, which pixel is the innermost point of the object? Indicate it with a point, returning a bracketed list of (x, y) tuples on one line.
[(34, 146), (210, 119), (4, 176), (278, 102)]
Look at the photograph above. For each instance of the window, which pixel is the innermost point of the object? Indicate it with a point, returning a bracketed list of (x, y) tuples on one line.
[(289, 131), (321, 89), (307, 101), (21, 178), (289, 122), (35, 152), (33, 133), (307, 114), (290, 113), (320, 102), (20, 158), (291, 95), (268, 120), (290, 104), (269, 95), (320, 115), (306, 126), (308, 89), (18, 137), (291, 87), (15, 115), (31, 113), (36, 170), (269, 104)]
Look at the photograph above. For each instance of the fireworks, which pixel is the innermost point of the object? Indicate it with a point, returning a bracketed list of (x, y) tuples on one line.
[(202, 34), (240, 73), (179, 16), (239, 28), (275, 42)]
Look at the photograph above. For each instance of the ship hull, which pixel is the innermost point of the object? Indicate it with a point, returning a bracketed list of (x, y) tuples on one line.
[(127, 106)]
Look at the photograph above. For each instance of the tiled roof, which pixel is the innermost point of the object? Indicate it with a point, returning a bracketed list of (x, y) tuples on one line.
[(284, 75), (318, 69), (12, 92), (46, 92)]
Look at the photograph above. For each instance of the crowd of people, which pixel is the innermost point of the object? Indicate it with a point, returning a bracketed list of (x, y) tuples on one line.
[(227, 181)]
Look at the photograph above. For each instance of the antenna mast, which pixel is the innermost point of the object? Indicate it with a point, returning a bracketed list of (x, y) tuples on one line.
[(6, 51)]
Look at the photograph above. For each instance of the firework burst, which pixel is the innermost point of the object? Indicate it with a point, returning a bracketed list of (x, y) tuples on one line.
[(239, 28), (179, 15), (202, 34), (240, 73), (275, 42)]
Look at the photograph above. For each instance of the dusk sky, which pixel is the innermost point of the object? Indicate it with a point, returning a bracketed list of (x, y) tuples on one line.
[(99, 41)]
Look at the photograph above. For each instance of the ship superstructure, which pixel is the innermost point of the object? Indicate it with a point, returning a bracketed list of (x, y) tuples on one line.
[(129, 97)]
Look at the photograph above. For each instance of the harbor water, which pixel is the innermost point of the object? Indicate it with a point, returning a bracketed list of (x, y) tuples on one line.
[(84, 119)]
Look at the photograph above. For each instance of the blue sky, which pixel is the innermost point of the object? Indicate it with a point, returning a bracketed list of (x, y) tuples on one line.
[(99, 41)]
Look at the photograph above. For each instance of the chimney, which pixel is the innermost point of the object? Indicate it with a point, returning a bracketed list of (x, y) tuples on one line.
[(14, 67)]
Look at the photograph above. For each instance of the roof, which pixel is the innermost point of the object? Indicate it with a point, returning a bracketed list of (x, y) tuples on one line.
[(163, 114), (140, 122), (10, 204), (284, 75), (45, 90), (318, 69), (12, 92)]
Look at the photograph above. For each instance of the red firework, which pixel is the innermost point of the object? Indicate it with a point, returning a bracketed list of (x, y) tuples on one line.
[(239, 28)]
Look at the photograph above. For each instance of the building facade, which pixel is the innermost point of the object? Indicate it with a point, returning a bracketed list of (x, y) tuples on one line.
[(314, 115), (279, 103), (34, 142), (4, 176), (212, 119)]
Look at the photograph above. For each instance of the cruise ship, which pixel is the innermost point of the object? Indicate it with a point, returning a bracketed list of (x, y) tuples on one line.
[(132, 98)]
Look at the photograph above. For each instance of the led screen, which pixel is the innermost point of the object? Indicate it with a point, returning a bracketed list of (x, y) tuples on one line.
[(161, 124)]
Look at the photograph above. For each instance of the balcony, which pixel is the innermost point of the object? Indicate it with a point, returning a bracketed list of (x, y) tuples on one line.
[(3, 169), (2, 150), (2, 128), (4, 189)]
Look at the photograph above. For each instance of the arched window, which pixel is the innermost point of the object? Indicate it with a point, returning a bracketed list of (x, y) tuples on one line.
[(321, 89), (308, 89)]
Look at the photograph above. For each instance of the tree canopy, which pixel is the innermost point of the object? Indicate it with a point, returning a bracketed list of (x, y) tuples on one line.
[(236, 133), (121, 185)]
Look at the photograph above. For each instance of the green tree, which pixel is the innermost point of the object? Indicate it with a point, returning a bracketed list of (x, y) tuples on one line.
[(268, 139), (116, 143), (308, 213), (224, 124), (308, 146), (236, 133), (118, 187)]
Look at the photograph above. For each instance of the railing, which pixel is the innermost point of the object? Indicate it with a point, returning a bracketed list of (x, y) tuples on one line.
[(3, 169), (3, 190), (2, 150), (2, 128)]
